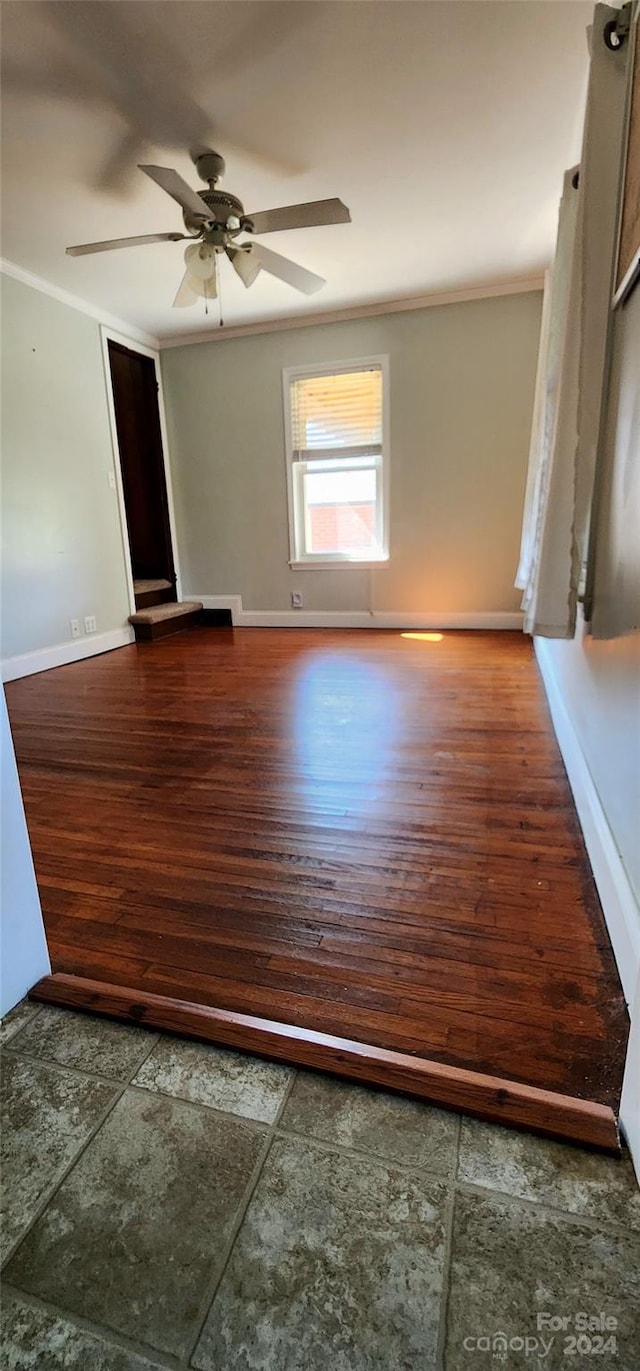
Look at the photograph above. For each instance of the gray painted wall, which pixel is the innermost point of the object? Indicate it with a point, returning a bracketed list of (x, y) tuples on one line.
[(600, 681), (62, 552), (462, 381)]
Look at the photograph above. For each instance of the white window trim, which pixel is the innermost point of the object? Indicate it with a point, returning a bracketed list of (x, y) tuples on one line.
[(337, 560)]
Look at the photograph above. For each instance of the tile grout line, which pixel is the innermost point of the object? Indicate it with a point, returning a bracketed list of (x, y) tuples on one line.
[(456, 1188), (448, 1252), (361, 1154), (132, 1084), (83, 1072), (352, 1149), (214, 1285), (49, 1195), (548, 1211), (258, 1124), (111, 1336), (21, 1027), (324, 1143), (446, 1177)]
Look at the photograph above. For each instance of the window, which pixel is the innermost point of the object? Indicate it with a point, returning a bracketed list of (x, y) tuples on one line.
[(337, 459)]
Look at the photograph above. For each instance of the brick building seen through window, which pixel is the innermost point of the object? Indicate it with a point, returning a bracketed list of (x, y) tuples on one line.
[(341, 511)]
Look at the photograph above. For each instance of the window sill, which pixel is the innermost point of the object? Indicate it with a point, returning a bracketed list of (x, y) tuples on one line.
[(311, 564)]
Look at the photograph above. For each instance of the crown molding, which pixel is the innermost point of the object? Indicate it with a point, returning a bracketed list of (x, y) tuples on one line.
[(64, 297), (489, 291), (519, 286)]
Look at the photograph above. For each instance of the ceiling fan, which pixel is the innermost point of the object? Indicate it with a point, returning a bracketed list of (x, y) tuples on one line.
[(214, 218)]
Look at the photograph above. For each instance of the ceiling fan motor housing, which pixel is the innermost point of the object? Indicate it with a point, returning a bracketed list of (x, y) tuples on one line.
[(223, 206)]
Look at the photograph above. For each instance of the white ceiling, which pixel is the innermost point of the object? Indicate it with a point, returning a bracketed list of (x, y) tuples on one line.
[(445, 127)]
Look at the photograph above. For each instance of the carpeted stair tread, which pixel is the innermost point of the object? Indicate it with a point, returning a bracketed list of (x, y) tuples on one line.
[(143, 587), (157, 613)]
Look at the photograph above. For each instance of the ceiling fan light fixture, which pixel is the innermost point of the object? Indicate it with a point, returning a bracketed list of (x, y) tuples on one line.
[(200, 261), (213, 218), (207, 289), (245, 263)]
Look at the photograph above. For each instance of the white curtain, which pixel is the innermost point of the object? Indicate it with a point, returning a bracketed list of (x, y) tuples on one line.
[(572, 361), (546, 542)]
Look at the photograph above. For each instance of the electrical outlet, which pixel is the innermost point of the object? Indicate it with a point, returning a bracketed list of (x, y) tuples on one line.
[(89, 623), (74, 625), (296, 599)]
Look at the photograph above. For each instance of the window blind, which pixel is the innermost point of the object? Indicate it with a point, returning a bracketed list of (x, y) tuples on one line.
[(337, 415)]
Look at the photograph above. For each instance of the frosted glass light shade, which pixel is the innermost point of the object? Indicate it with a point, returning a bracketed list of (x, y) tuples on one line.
[(200, 260), (246, 265), (207, 289)]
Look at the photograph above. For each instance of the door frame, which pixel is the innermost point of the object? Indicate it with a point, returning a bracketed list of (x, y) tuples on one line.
[(108, 335)]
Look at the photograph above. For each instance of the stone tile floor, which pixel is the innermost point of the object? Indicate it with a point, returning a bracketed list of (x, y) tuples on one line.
[(169, 1204)]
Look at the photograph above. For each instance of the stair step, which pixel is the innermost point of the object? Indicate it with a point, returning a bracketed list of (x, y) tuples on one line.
[(150, 592), (159, 620), (142, 586)]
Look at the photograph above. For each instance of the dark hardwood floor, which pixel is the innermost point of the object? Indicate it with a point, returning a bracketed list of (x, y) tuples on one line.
[(353, 834)]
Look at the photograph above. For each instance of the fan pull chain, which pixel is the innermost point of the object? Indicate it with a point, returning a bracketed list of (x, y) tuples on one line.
[(206, 285), (219, 278)]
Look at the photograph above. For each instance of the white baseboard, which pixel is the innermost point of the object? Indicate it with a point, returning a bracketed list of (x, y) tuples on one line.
[(306, 618), (28, 663), (232, 602), (619, 905), (363, 618), (618, 901)]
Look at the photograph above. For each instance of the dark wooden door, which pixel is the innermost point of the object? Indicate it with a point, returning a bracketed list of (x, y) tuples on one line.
[(135, 398)]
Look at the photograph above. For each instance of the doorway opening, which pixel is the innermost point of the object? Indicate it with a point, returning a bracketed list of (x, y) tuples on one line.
[(144, 484)]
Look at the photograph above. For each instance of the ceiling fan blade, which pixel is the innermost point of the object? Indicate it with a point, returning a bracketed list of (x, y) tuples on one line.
[(155, 98), (82, 249), (117, 172), (288, 271), (185, 294), (178, 189), (311, 215)]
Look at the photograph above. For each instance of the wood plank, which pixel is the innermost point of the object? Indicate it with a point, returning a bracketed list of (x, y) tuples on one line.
[(365, 836), (486, 1097)]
